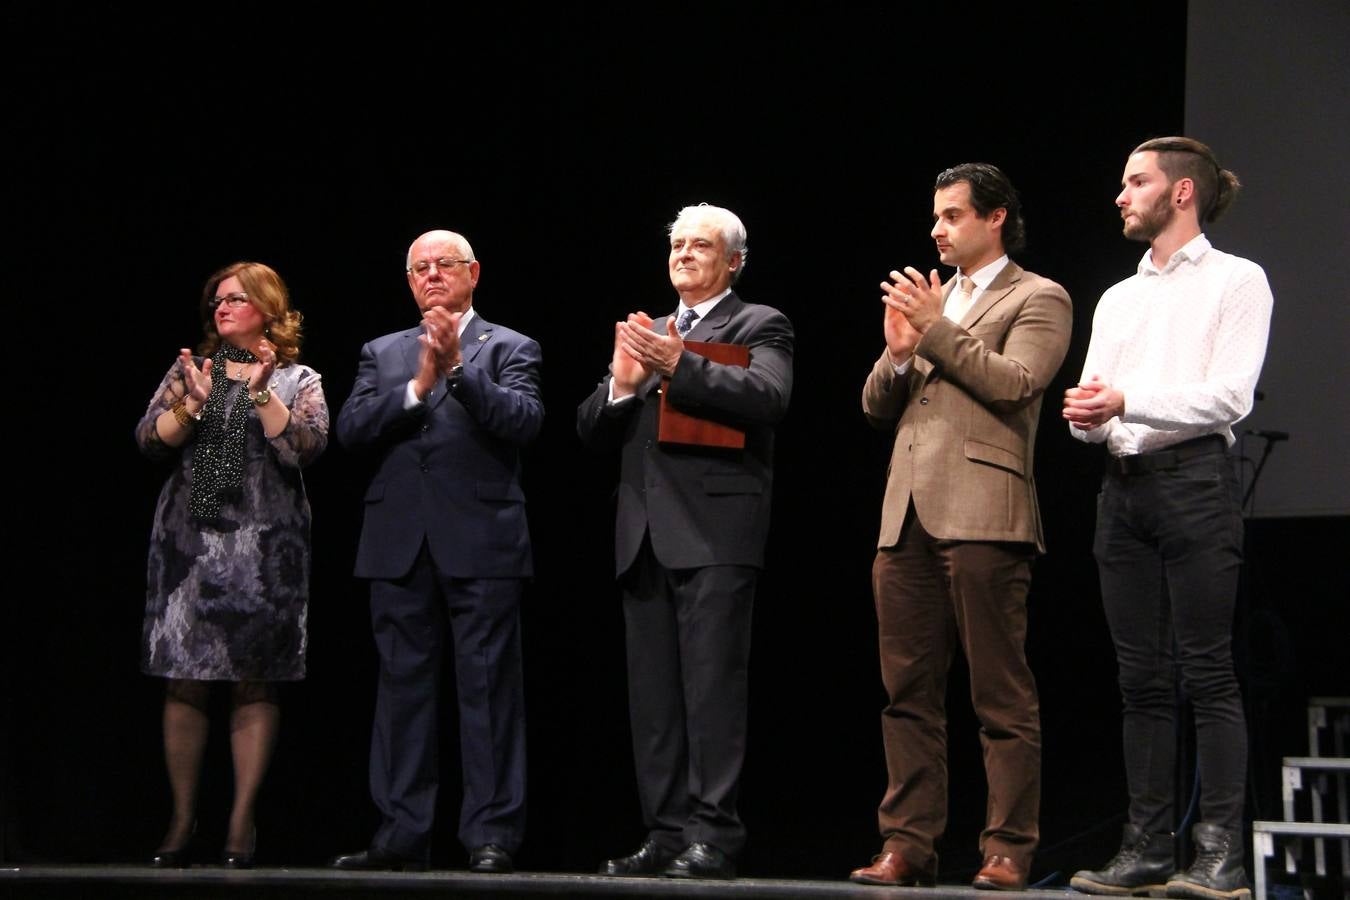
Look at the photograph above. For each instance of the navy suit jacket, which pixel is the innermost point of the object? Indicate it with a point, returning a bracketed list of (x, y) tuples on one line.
[(702, 507), (447, 472)]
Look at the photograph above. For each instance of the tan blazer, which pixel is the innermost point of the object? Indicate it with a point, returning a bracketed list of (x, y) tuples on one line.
[(965, 414)]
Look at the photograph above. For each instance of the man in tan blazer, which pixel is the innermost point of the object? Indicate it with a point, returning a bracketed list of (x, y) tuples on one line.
[(960, 384)]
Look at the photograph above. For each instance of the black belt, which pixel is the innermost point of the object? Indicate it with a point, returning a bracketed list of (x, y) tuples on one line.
[(1169, 458)]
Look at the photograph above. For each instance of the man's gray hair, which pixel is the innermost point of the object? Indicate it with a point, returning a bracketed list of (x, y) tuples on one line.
[(454, 237), (733, 230)]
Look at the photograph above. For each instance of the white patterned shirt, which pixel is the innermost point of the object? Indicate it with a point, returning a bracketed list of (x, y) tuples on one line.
[(1184, 344)]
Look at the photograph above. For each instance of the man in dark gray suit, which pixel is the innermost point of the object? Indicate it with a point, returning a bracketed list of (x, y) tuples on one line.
[(445, 408), (689, 541)]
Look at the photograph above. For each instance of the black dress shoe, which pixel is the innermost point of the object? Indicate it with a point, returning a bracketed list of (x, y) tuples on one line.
[(700, 860), (491, 859), (650, 859), (377, 859)]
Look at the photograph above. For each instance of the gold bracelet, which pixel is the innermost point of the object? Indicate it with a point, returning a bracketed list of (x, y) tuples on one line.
[(184, 417)]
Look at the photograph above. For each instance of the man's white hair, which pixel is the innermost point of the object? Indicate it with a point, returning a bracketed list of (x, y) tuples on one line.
[(458, 239), (733, 230)]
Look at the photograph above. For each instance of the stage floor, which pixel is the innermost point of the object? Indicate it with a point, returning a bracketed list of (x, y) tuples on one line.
[(203, 881)]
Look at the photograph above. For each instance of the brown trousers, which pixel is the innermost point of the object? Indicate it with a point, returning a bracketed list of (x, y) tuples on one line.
[(930, 593)]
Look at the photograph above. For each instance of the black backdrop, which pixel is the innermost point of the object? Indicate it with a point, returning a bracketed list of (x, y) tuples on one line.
[(152, 151)]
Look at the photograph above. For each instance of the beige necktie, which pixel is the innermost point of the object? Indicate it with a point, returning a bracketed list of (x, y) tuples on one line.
[(961, 303)]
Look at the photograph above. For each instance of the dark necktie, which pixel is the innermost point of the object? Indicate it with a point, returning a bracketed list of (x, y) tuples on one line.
[(686, 322)]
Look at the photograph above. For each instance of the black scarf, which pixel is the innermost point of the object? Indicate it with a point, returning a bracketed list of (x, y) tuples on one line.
[(218, 455)]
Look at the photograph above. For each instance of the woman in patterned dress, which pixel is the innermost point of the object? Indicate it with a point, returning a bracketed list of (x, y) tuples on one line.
[(228, 578)]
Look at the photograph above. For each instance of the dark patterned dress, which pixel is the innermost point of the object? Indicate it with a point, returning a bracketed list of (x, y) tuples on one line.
[(228, 600)]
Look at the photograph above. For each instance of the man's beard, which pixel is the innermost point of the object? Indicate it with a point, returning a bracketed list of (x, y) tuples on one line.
[(1151, 222)]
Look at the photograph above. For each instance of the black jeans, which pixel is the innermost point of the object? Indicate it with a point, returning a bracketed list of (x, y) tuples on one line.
[(1168, 549)]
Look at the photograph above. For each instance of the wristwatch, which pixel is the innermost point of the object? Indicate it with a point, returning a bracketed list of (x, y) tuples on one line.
[(456, 372), (262, 397)]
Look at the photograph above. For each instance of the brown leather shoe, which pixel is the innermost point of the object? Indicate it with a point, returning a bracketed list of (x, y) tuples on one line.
[(1000, 873), (890, 869)]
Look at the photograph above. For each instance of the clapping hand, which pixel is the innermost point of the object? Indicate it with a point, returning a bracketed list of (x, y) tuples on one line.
[(627, 370), (919, 299), (266, 352), (198, 381), (656, 352), (440, 348)]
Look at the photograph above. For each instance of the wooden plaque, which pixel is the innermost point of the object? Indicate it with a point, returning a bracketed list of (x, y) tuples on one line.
[(679, 427)]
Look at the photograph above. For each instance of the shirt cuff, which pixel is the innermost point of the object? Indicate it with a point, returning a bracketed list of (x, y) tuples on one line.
[(410, 400), (621, 400)]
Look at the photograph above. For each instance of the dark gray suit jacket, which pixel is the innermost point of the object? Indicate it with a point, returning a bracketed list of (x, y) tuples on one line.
[(702, 507)]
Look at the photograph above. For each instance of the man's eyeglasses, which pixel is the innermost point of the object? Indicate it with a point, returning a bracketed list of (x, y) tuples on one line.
[(233, 301), (423, 266)]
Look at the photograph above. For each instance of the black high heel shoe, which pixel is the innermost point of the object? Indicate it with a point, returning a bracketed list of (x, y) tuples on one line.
[(232, 860), (240, 859), (171, 859), (177, 858)]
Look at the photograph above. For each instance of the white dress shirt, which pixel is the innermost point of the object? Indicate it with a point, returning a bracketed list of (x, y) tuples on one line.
[(701, 308), (982, 278), (1184, 344)]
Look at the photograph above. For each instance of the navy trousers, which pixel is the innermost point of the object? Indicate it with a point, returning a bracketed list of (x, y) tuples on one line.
[(411, 617)]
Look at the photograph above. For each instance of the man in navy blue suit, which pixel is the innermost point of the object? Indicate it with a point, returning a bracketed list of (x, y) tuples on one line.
[(445, 408)]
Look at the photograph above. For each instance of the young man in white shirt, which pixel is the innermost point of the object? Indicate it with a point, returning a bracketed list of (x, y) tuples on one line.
[(1172, 365)]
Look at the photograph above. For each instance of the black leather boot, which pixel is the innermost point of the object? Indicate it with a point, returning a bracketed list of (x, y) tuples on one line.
[(1141, 868), (1217, 873)]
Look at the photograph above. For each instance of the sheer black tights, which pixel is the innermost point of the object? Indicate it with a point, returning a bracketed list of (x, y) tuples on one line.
[(254, 720)]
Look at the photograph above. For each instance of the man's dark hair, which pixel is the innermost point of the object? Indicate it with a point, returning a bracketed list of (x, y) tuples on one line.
[(1183, 157), (990, 189)]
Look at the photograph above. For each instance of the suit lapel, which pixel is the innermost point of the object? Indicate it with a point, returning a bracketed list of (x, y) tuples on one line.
[(411, 350), (476, 334), (999, 288), (706, 329)]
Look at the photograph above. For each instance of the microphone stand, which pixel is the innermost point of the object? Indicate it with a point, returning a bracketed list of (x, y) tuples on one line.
[(1271, 438)]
